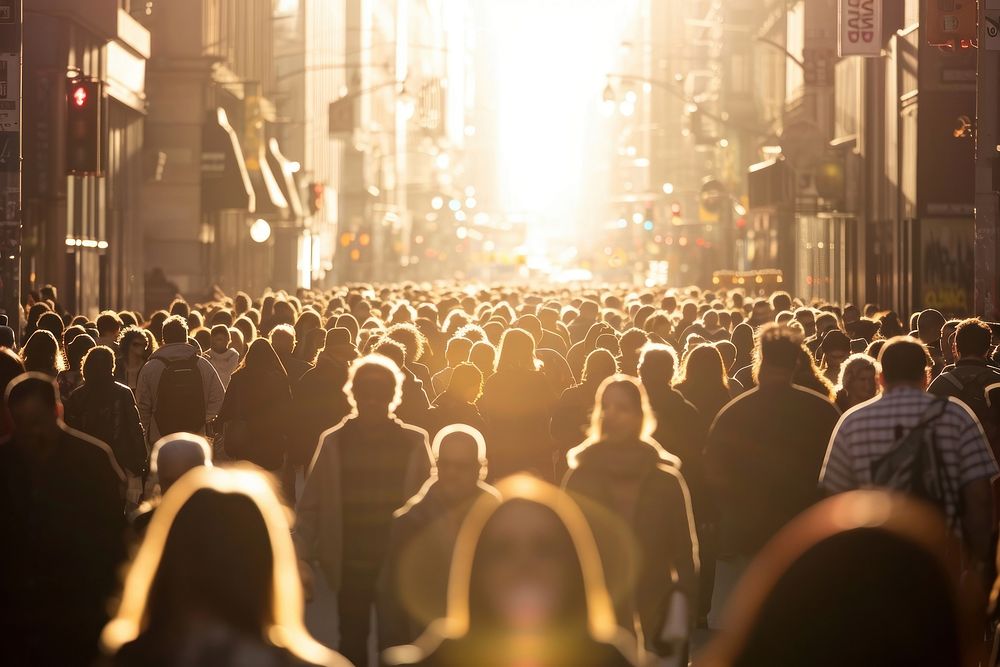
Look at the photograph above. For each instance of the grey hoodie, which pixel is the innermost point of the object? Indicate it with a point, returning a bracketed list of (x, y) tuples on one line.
[(149, 381)]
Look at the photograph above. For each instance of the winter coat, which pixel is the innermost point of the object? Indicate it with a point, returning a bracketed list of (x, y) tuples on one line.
[(149, 380), (263, 403), (107, 412), (517, 405), (318, 403)]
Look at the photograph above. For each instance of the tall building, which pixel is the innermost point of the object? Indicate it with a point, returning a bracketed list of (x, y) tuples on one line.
[(82, 233), (220, 195)]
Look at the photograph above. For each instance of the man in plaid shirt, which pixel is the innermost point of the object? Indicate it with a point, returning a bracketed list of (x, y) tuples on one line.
[(870, 430)]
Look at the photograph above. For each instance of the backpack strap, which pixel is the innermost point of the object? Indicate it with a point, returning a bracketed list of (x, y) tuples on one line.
[(950, 377)]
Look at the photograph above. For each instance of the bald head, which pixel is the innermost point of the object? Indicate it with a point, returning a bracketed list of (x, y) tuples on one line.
[(175, 454)]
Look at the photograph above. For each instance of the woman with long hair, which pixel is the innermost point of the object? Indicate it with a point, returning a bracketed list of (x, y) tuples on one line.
[(254, 418), (41, 354), (72, 377), (858, 381), (215, 581), (621, 472), (526, 588), (704, 381), (808, 375), (517, 403)]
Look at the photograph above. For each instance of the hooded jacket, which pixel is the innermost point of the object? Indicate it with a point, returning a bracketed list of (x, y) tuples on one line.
[(149, 380), (641, 484), (224, 363)]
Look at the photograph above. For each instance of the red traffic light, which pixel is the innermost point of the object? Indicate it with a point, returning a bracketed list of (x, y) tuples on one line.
[(80, 96), (675, 209)]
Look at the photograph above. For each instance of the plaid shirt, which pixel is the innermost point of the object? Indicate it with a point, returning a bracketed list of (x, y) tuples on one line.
[(868, 431)]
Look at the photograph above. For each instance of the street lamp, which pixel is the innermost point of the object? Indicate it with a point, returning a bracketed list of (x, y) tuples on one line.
[(260, 230)]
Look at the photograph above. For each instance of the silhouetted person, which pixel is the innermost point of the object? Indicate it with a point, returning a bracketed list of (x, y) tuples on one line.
[(135, 346), (177, 389), (223, 357), (764, 453), (254, 417), (837, 587), (61, 517), (106, 410), (41, 354), (705, 383), (457, 405), (867, 434), (517, 404), (283, 340), (414, 583), (526, 588), (215, 582), (72, 377), (858, 381), (571, 414), (366, 468), (414, 406), (620, 471)]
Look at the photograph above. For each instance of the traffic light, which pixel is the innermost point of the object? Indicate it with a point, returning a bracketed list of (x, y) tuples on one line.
[(316, 191), (83, 126)]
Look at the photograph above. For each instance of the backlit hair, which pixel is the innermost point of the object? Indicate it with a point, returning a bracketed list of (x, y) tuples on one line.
[(376, 362), (285, 627), (637, 393)]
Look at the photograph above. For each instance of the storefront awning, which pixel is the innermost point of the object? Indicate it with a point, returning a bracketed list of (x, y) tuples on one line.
[(284, 171), (225, 181), (271, 202)]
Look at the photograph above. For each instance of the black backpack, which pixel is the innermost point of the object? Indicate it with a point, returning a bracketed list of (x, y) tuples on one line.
[(914, 465), (970, 383), (180, 397)]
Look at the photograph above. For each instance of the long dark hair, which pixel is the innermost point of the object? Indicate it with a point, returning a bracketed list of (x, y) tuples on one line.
[(261, 360)]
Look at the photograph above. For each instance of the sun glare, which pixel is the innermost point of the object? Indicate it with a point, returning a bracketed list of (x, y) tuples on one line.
[(551, 58)]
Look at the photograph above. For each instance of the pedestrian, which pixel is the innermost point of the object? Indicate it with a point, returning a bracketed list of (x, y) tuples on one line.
[(109, 327), (11, 367), (364, 470), (215, 581), (456, 352), (808, 376), (483, 356), (414, 407), (135, 346), (254, 417), (571, 415), (177, 390), (517, 405), (106, 410), (221, 355), (41, 354), (282, 338), (71, 377), (457, 405), (319, 401), (413, 586), (621, 471), (835, 570), (930, 322), (834, 349), (171, 457), (61, 517), (858, 381), (763, 455), (864, 449), (526, 588), (968, 379), (704, 381)]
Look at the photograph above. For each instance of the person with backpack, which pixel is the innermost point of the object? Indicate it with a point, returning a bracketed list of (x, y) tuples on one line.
[(971, 375), (916, 443), (178, 390)]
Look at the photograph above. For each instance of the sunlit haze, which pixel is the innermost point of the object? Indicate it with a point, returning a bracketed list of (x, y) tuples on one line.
[(551, 60)]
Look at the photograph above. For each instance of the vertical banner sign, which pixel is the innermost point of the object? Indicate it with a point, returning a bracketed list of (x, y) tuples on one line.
[(10, 161), (860, 28)]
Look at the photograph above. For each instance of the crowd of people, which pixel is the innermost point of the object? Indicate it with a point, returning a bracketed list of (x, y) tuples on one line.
[(499, 476)]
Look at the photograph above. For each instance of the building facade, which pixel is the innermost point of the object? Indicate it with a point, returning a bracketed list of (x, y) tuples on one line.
[(83, 233)]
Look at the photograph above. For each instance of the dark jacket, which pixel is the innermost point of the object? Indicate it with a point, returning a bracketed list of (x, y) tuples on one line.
[(318, 403), (413, 409), (571, 415), (682, 431), (257, 407), (517, 405), (449, 409), (107, 411), (62, 521), (642, 486)]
